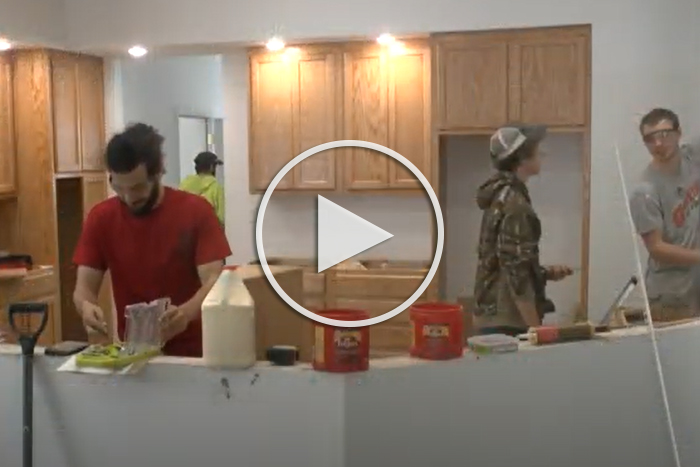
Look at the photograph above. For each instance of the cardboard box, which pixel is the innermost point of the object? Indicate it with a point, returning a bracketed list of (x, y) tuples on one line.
[(276, 322)]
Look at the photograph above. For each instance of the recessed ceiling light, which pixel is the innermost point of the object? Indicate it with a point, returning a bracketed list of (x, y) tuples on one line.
[(275, 44), (386, 39), (137, 51), (5, 44), (397, 48)]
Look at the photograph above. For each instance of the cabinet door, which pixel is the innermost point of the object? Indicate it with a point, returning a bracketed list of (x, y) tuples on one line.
[(317, 102), (271, 120), (549, 74), (472, 81), (409, 113), (64, 80), (366, 117), (8, 174), (91, 105), (95, 190)]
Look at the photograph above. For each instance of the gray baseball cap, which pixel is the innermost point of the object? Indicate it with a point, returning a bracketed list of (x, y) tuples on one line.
[(510, 138)]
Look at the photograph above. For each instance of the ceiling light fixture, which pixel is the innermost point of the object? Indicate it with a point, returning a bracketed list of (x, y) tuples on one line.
[(386, 39), (5, 45), (397, 48), (275, 44), (137, 51)]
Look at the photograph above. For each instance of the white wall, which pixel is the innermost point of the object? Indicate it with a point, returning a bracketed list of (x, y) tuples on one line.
[(34, 21), (156, 90)]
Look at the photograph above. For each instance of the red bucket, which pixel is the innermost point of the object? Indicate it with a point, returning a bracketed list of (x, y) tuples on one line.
[(340, 349), (438, 331)]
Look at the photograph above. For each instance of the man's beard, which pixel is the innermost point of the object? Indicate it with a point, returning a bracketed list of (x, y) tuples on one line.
[(150, 203)]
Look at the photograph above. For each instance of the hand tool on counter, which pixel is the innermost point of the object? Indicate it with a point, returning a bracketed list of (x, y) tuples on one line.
[(65, 348), (604, 324), (543, 335), (283, 355), (22, 318)]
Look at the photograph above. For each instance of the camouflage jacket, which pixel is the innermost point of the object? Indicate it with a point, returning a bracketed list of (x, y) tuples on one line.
[(509, 257)]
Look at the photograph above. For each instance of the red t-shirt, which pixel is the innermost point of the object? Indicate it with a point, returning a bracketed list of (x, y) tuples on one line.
[(154, 256)]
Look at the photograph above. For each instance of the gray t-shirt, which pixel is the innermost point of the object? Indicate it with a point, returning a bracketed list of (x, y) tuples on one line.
[(670, 203)]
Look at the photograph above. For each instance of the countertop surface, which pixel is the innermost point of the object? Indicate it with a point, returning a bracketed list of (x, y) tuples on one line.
[(252, 271), (400, 360)]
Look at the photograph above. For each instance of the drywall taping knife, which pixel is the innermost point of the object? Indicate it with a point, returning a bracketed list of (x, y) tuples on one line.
[(626, 290)]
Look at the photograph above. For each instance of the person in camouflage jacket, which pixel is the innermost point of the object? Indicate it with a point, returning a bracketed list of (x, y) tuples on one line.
[(510, 282)]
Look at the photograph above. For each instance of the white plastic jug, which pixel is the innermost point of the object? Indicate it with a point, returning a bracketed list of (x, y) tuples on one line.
[(228, 323)]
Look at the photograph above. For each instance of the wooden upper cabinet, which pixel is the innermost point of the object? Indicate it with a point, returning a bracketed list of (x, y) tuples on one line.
[(294, 107), (8, 162), (487, 79), (409, 114), (92, 118), (387, 101), (78, 112), (471, 72), (550, 74), (366, 117), (64, 80), (271, 132), (317, 94), (316, 114)]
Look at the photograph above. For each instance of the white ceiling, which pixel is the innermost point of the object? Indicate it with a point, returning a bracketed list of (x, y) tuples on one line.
[(209, 26)]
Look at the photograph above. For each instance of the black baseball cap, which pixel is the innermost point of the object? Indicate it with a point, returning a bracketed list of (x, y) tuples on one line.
[(207, 159)]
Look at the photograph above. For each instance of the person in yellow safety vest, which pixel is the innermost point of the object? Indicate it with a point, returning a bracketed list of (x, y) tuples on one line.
[(204, 182)]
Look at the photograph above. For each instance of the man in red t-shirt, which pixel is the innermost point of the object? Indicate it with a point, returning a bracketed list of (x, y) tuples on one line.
[(156, 242)]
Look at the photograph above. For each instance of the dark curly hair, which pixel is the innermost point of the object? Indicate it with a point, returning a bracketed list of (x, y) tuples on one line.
[(138, 144)]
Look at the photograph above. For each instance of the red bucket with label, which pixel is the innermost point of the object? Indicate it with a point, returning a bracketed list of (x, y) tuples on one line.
[(438, 331), (341, 349)]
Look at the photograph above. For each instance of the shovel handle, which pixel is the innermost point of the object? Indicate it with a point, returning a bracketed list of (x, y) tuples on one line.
[(28, 340)]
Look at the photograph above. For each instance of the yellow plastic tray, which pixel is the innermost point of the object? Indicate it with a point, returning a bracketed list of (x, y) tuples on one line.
[(111, 356)]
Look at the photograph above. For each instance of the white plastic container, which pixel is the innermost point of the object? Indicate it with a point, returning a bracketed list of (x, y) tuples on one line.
[(228, 323)]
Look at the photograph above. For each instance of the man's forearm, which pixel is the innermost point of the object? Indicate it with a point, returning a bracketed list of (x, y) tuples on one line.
[(194, 304), (667, 253), (82, 295)]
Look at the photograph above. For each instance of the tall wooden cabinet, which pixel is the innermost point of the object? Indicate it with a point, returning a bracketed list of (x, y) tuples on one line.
[(8, 182), (58, 127), (483, 80), (311, 95)]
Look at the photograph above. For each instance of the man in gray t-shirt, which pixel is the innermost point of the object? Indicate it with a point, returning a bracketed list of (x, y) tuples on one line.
[(666, 213)]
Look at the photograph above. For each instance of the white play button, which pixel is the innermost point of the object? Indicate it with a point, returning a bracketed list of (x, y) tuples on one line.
[(342, 234)]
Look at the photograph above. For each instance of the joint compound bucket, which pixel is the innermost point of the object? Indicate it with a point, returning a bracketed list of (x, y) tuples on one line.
[(438, 331), (228, 323), (340, 349)]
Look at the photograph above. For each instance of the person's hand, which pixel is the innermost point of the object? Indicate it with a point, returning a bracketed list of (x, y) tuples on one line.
[(558, 272), (93, 319), (174, 321)]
